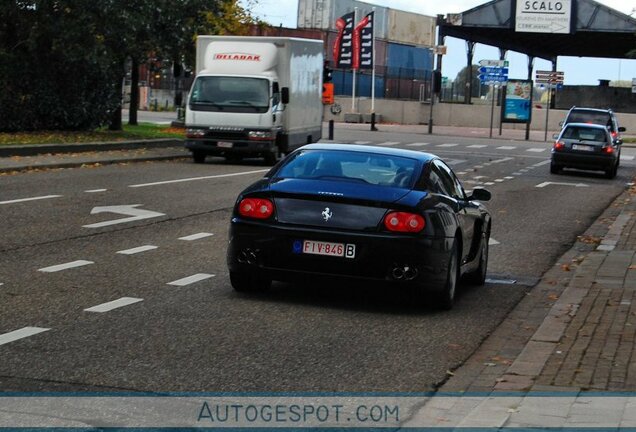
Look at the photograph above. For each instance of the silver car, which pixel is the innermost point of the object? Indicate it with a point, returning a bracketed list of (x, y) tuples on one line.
[(585, 146)]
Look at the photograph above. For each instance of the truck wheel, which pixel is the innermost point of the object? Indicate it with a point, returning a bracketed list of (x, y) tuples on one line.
[(272, 157), (198, 156)]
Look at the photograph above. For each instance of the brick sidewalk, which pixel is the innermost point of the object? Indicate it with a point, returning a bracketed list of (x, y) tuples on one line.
[(575, 330)]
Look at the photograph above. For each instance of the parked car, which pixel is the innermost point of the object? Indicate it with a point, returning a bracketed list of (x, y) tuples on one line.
[(363, 213), (585, 146)]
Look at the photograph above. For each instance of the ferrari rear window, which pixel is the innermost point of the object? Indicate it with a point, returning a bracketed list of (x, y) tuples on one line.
[(339, 165)]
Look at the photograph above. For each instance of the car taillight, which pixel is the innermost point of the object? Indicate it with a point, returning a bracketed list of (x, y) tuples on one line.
[(404, 222), (614, 134), (607, 150), (256, 208), (559, 145)]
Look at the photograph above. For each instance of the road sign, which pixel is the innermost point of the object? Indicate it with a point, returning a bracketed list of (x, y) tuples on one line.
[(545, 16), (494, 63), (492, 79), (493, 70), (550, 77)]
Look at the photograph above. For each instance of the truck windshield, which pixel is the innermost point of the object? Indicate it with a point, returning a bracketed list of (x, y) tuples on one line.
[(230, 94)]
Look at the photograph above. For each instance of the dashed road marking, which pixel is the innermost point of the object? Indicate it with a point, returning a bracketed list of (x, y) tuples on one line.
[(492, 242), (477, 146), (447, 145), (506, 159), (66, 266), (479, 177), (453, 162), (109, 306), (536, 150), (626, 157), (462, 173), (506, 148), (21, 200), (508, 177), (499, 180), (417, 144), (137, 250), (197, 178), (545, 162), (544, 184), (197, 236), (517, 174), (191, 279), (21, 334), (362, 142), (389, 143), (489, 184), (95, 190)]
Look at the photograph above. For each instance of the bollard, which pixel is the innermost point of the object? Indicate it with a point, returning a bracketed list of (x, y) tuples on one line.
[(330, 130), (373, 128)]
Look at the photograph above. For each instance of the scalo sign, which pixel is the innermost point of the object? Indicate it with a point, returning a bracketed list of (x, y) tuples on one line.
[(543, 16)]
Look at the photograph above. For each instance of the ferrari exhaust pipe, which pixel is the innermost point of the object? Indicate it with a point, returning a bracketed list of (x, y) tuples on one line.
[(247, 256), (404, 272), (398, 273), (410, 273)]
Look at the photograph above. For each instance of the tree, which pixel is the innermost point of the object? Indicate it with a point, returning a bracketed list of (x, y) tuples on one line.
[(462, 79)]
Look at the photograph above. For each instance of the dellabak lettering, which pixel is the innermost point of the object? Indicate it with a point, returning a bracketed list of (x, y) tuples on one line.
[(237, 56), (543, 6)]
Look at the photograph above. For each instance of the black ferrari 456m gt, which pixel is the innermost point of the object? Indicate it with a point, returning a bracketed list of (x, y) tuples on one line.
[(363, 213)]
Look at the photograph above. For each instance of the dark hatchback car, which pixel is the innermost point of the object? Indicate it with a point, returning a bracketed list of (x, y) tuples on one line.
[(585, 146), (603, 117), (361, 213)]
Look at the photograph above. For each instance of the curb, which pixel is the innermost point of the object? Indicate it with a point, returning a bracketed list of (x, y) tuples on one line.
[(38, 149), (64, 165)]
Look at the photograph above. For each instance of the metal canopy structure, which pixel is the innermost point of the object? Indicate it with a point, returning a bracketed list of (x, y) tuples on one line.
[(596, 30)]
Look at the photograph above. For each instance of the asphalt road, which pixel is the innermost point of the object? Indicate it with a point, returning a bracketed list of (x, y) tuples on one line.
[(180, 327)]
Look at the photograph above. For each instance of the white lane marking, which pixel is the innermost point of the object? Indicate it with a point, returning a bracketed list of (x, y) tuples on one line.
[(30, 199), (506, 159), (462, 173), (21, 334), (517, 174), (545, 162), (536, 150), (508, 178), (447, 145), (626, 157), (66, 266), (196, 236), (499, 180), (477, 146), (454, 161), (197, 178), (478, 166), (506, 148), (542, 185), (362, 142), (388, 143), (492, 242), (129, 210), (137, 250), (95, 190), (479, 177), (489, 184), (191, 279), (420, 145), (109, 306)]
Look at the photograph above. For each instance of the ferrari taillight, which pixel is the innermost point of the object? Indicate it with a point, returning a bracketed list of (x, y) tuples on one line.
[(404, 222), (256, 208)]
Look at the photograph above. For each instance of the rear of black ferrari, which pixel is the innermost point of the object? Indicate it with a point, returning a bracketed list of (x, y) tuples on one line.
[(349, 215)]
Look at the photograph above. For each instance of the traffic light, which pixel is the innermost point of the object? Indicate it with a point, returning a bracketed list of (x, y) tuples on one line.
[(437, 81), (326, 72)]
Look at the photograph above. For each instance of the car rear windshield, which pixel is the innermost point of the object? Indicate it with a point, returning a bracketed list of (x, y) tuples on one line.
[(600, 118), (584, 134), (375, 169)]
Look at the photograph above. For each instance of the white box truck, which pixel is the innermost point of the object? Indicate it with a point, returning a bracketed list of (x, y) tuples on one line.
[(254, 97)]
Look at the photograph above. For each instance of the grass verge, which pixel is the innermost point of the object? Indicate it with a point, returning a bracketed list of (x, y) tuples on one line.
[(142, 131)]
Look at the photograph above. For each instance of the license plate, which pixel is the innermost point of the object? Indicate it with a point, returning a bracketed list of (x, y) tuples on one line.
[(582, 147), (341, 250), (224, 144)]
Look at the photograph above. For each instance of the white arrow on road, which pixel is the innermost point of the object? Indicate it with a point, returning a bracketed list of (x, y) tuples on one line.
[(542, 185), (128, 210)]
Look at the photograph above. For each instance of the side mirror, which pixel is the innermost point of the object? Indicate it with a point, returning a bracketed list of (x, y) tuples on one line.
[(561, 123), (480, 194), (555, 136), (285, 95), (621, 129), (618, 141)]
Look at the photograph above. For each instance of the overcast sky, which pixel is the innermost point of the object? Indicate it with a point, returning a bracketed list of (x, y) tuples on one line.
[(577, 71)]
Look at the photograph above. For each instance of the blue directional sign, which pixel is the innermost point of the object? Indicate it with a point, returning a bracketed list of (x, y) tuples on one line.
[(492, 78), (490, 70)]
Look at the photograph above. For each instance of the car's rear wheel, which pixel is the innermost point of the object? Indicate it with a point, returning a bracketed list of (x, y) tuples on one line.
[(198, 156), (611, 173), (446, 298), (272, 157), (249, 282), (555, 169), (478, 277)]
